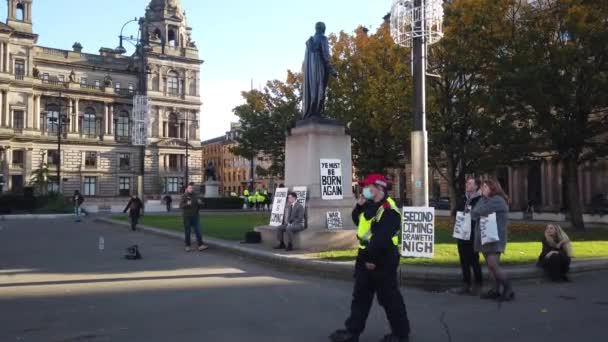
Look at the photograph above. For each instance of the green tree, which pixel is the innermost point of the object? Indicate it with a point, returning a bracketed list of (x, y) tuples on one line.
[(555, 77), (372, 97), (265, 118), (40, 178)]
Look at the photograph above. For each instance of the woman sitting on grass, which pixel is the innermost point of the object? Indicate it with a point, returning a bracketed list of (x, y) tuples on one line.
[(556, 254)]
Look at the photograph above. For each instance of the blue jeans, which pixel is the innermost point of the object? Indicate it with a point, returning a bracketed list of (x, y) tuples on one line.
[(192, 222), (77, 211)]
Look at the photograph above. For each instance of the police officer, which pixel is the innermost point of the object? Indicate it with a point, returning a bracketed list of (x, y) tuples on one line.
[(378, 223)]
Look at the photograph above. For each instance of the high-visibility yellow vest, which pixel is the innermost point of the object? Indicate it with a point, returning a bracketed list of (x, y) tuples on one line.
[(364, 229), (246, 193)]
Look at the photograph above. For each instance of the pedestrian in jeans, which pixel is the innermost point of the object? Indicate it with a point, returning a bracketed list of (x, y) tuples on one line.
[(168, 201), (135, 208), (190, 205), (469, 258), (77, 201), (494, 200)]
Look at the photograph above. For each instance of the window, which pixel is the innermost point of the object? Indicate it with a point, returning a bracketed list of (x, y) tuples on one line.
[(19, 67), (172, 39), (52, 158), (83, 80), (45, 78), (18, 119), (124, 161), (89, 124), (52, 118), (97, 84), (52, 185), (173, 83), (18, 157), (131, 88), (117, 86), (174, 184), (20, 15), (124, 186), (90, 160), (173, 126), (173, 161), (122, 125), (61, 78), (90, 186)]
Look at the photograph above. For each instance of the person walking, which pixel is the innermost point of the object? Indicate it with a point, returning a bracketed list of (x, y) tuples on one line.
[(556, 254), (135, 208), (293, 222), (378, 223), (469, 258), (77, 201), (168, 202), (190, 205), (494, 201)]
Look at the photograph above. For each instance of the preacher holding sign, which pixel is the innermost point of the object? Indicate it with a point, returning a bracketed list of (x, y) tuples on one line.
[(278, 207)]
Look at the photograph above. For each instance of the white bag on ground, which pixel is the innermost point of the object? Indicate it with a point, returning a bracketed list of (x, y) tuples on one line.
[(462, 226), (489, 229)]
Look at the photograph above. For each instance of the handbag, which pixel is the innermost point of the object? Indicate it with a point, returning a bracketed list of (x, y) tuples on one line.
[(462, 226), (489, 229)]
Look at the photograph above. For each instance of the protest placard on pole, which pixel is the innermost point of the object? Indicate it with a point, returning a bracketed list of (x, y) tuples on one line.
[(331, 179), (418, 233), (334, 220), (278, 207)]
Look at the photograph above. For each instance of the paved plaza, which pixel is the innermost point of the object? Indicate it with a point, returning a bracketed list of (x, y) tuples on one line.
[(56, 285)]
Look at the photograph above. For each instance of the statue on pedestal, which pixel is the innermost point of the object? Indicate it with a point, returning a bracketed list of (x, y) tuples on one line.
[(210, 172), (316, 71)]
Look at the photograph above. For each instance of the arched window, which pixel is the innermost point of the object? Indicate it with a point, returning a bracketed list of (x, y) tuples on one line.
[(173, 83), (52, 118), (122, 125), (89, 122), (20, 15), (172, 39)]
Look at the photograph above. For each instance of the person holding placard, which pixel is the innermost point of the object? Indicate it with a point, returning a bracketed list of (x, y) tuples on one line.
[(469, 258), (293, 222), (492, 210), (378, 221)]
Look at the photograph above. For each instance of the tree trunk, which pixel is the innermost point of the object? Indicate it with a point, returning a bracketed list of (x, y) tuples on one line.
[(452, 186), (574, 202)]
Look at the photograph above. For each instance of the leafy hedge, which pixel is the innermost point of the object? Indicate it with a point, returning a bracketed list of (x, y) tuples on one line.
[(26, 203), (223, 203)]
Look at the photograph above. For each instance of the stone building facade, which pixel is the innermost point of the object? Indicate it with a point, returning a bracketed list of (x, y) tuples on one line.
[(89, 99)]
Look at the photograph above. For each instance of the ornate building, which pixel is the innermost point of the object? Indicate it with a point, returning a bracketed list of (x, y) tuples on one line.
[(86, 100)]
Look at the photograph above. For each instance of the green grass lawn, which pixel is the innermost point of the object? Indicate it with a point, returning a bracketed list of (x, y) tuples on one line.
[(523, 248), (225, 226)]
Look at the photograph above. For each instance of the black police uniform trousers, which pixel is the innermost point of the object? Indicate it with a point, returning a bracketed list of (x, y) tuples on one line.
[(382, 283)]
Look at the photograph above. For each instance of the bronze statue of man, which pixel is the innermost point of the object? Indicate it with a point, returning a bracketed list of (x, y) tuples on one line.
[(316, 71)]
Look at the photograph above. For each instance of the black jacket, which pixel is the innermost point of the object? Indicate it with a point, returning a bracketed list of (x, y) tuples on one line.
[(135, 207), (461, 205), (380, 250)]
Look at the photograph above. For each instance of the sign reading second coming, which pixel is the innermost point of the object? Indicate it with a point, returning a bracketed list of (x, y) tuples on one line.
[(331, 179)]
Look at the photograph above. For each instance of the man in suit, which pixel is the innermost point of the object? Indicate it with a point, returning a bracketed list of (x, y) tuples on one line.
[(293, 222)]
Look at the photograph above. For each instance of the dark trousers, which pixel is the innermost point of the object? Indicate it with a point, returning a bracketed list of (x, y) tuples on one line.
[(556, 266), (385, 286), (168, 206), (469, 259), (192, 222), (134, 221)]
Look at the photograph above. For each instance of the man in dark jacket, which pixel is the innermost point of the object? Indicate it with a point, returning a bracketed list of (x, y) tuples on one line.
[(190, 205), (135, 208), (77, 201), (378, 223), (469, 259)]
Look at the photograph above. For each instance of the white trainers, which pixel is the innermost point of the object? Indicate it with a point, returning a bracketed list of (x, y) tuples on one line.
[(202, 248), (188, 249)]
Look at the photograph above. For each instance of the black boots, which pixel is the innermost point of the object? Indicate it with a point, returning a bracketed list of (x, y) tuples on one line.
[(343, 336), (280, 246)]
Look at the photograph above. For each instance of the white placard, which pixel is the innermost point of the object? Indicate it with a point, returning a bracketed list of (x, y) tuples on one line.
[(418, 232), (278, 207), (334, 220), (331, 179), (302, 192), (139, 130)]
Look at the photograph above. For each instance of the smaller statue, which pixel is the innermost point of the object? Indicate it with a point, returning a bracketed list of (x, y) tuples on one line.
[(210, 172), (72, 76), (36, 72), (107, 81)]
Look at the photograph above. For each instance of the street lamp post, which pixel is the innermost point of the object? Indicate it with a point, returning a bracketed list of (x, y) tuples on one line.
[(417, 24), (60, 121)]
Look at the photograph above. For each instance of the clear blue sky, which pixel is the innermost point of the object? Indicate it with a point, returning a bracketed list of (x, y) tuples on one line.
[(239, 40)]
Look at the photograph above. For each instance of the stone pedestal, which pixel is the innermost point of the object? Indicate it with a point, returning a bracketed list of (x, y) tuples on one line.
[(306, 145), (212, 189)]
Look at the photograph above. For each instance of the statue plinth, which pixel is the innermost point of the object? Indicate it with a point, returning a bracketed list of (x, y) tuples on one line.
[(212, 188), (309, 142)]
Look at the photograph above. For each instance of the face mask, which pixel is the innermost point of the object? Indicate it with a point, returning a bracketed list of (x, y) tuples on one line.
[(367, 193)]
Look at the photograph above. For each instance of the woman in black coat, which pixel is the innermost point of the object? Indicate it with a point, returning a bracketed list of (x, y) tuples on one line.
[(135, 208), (556, 254)]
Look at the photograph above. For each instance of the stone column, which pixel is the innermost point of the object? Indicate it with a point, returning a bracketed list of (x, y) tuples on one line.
[(106, 113), (37, 113), (111, 121), (77, 112), (1, 56), (30, 112), (2, 109), (559, 184), (543, 182)]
